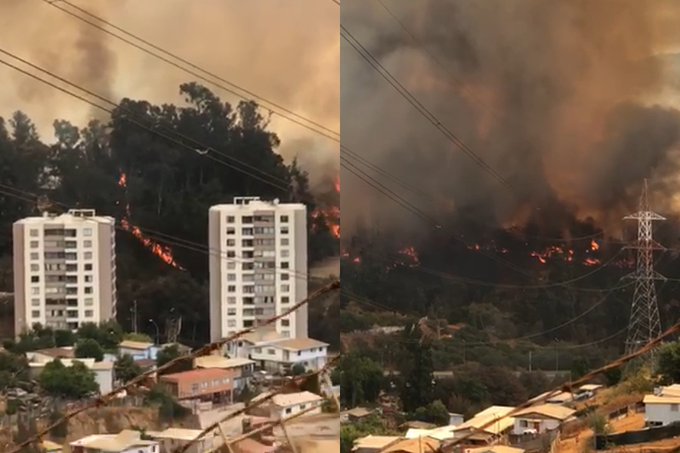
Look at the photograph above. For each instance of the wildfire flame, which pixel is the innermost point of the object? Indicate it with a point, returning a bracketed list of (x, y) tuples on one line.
[(591, 262), (594, 246), (331, 214), (162, 251), (412, 254)]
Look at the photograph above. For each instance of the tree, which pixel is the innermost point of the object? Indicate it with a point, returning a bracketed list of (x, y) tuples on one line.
[(13, 370), (108, 334), (298, 369), (76, 381), (126, 369), (360, 379), (669, 362), (132, 336), (435, 413), (88, 348), (170, 353), (64, 338), (416, 370)]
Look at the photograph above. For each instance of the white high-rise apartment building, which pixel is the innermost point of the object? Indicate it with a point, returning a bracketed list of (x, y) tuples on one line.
[(258, 266), (64, 270)]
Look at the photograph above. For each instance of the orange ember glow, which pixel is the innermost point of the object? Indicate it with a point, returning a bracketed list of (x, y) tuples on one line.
[(161, 251), (122, 182), (337, 184), (412, 255), (591, 262), (594, 246), (357, 260)]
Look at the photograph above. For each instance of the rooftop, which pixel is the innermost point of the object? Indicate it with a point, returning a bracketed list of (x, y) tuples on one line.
[(57, 353), (292, 399), (73, 215), (376, 442), (113, 443), (263, 336), (217, 361), (547, 410), (299, 344), (135, 345), (660, 399), (590, 387), (200, 374), (176, 434), (497, 449), (487, 416), (419, 445)]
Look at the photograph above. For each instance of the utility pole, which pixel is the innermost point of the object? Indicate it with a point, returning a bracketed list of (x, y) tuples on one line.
[(133, 310), (645, 323)]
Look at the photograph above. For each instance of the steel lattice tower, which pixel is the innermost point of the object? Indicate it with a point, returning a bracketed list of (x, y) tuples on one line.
[(645, 324)]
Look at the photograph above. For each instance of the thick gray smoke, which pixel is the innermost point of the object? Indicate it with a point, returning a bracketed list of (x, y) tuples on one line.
[(572, 102), (285, 51)]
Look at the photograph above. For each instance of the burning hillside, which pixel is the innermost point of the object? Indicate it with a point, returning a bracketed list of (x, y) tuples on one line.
[(328, 209)]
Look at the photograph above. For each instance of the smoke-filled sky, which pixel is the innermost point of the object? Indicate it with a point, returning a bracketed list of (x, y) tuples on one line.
[(573, 103), (287, 52)]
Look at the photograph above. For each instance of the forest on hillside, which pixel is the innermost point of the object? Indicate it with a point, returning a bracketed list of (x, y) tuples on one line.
[(157, 167)]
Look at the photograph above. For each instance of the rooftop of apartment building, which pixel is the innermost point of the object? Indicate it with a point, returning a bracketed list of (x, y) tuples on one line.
[(254, 202), (71, 216)]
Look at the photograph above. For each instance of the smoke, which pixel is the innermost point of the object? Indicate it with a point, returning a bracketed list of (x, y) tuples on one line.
[(286, 52), (574, 103)]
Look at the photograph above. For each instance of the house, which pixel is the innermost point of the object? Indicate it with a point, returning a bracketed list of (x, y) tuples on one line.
[(127, 441), (558, 398), (540, 419), (103, 371), (441, 433), (49, 354), (206, 384), (419, 445), (139, 350), (282, 356), (285, 405), (478, 433), (173, 439), (373, 444), (241, 368), (663, 407), (259, 338), (497, 449), (356, 414)]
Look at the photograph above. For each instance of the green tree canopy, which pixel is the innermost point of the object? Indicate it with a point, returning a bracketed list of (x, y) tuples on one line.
[(87, 348), (76, 381), (126, 368), (360, 379), (669, 362)]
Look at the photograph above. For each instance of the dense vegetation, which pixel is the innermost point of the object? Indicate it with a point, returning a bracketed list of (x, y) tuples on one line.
[(168, 190)]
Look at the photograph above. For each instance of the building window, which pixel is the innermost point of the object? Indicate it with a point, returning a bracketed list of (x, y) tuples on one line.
[(88, 267), (231, 323), (35, 302), (285, 253), (231, 254), (88, 290), (231, 242), (248, 323), (258, 350), (35, 256), (231, 230), (87, 255), (87, 232), (89, 313), (271, 351), (231, 300), (231, 265), (289, 410), (285, 277), (284, 265), (285, 288), (247, 231), (34, 233), (284, 219), (231, 288), (35, 279), (231, 219), (247, 219), (87, 244), (88, 279), (35, 244), (35, 291), (523, 424), (285, 323), (35, 268), (284, 230), (231, 277), (231, 312), (285, 299), (35, 313), (284, 241), (89, 301)]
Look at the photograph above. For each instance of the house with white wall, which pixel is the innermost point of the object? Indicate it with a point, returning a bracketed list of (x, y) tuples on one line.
[(173, 439), (282, 356), (288, 404), (541, 419), (103, 371), (139, 350), (663, 407)]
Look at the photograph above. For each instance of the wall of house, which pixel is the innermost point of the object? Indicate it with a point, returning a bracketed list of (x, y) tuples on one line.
[(205, 387), (105, 380), (136, 353), (547, 424), (661, 413), (279, 412)]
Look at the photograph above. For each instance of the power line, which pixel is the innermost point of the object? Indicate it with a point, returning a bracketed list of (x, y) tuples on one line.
[(135, 121), (225, 85)]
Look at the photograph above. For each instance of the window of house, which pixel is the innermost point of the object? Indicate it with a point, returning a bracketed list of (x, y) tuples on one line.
[(285, 288), (35, 256), (35, 290), (35, 302), (231, 277), (285, 299), (34, 233), (231, 254), (285, 277), (35, 313), (35, 279), (88, 290), (88, 267), (87, 232), (248, 323), (87, 244), (89, 313), (284, 230), (523, 423), (35, 267), (194, 388), (231, 288), (247, 231), (285, 322), (284, 219), (231, 300), (87, 255), (289, 410), (231, 265), (247, 219), (231, 219), (35, 244), (284, 265), (303, 406), (88, 279), (231, 323), (231, 231), (231, 312), (258, 350), (231, 242), (271, 351), (89, 301)]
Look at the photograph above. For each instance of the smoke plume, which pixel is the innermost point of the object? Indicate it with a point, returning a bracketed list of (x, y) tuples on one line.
[(573, 103), (286, 52)]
